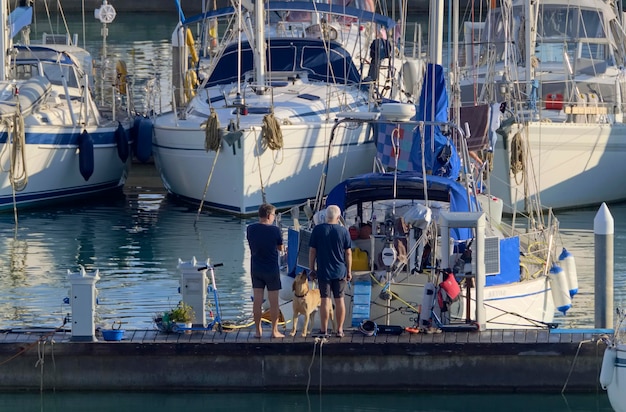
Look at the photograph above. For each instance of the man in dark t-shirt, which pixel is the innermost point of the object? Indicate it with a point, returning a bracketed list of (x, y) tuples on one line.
[(265, 241), (330, 246)]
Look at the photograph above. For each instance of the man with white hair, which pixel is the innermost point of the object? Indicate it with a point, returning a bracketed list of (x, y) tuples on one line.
[(330, 247)]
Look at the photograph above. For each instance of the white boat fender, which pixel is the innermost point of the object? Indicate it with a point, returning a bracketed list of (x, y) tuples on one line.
[(567, 262), (143, 147), (85, 155), (121, 139), (560, 290), (608, 367), (428, 299)]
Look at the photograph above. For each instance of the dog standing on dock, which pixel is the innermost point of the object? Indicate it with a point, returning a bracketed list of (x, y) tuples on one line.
[(306, 301)]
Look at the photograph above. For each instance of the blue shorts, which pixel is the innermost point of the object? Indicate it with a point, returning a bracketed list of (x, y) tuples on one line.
[(337, 286), (261, 281)]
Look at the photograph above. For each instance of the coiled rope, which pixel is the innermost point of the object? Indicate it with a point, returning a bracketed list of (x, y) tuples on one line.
[(272, 135), (18, 174), (518, 157), (212, 138)]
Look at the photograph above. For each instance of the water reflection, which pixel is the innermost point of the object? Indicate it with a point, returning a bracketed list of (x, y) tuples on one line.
[(135, 242), (288, 402)]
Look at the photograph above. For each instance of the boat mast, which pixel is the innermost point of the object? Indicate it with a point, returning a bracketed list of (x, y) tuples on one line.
[(5, 41), (435, 40), (529, 39), (259, 13)]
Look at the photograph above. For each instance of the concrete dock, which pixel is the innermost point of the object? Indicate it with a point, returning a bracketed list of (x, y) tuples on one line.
[(499, 360)]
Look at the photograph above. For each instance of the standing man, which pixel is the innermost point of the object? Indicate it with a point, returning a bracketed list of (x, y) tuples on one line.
[(265, 241), (330, 246)]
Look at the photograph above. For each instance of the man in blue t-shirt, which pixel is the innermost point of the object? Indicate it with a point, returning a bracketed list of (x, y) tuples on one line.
[(265, 241), (330, 247)]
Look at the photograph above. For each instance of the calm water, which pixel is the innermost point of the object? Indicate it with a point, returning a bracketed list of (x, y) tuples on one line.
[(291, 402), (135, 242)]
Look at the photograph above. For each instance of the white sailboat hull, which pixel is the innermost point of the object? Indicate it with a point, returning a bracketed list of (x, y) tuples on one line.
[(568, 160), (239, 178), (53, 170)]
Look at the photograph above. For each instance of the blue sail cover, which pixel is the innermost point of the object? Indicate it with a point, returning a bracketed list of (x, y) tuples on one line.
[(401, 185), (399, 145), (440, 156)]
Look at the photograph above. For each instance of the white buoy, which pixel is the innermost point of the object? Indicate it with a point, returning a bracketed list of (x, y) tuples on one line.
[(567, 262), (560, 289)]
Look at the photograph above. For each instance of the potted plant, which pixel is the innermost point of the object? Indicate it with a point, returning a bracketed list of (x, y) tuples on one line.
[(182, 314)]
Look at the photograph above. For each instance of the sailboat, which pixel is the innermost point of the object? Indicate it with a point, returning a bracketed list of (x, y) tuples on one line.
[(57, 140), (431, 251), (556, 69), (255, 103)]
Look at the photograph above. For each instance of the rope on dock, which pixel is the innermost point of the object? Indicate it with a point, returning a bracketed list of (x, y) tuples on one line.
[(321, 342), (574, 362)]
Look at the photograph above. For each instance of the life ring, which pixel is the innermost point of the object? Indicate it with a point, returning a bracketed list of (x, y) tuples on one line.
[(192, 49), (120, 69), (191, 82)]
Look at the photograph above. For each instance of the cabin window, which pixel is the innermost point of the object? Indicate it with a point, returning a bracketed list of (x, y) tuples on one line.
[(24, 71), (56, 72)]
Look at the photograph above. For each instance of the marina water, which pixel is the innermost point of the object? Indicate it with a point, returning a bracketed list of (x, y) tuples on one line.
[(135, 240)]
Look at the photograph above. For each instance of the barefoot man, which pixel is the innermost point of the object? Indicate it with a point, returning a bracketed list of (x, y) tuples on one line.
[(265, 241)]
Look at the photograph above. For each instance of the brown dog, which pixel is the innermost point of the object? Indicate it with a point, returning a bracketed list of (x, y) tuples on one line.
[(305, 302)]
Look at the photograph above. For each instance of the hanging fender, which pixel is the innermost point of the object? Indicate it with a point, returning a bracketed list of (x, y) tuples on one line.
[(143, 148), (85, 155), (121, 139)]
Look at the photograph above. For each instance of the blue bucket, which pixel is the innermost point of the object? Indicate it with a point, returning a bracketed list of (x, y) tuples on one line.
[(113, 334)]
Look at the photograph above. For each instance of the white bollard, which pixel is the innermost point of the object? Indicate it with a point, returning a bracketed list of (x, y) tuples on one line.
[(603, 229), (193, 288), (83, 302)]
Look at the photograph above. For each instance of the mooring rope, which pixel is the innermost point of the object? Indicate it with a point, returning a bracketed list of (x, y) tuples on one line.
[(206, 187), (272, 135), (321, 342), (580, 344)]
